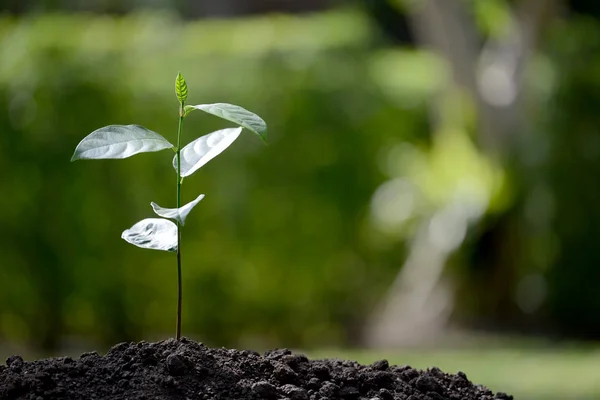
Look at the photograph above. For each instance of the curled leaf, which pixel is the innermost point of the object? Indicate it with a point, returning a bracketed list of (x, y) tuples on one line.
[(153, 233), (204, 149), (238, 115), (178, 214), (119, 141), (187, 110)]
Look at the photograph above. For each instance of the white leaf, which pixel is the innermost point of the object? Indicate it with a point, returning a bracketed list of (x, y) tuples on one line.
[(153, 233), (119, 141), (238, 115), (204, 149), (178, 214)]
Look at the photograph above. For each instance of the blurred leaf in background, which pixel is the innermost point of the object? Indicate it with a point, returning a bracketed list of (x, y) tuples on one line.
[(279, 235), (369, 141)]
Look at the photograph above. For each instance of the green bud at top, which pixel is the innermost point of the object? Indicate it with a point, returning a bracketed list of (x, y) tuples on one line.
[(181, 88)]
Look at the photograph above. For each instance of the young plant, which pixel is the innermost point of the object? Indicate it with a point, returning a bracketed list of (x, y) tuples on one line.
[(122, 141)]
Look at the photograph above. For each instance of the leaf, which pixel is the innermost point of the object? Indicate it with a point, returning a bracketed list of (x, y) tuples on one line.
[(204, 149), (238, 115), (178, 214), (119, 141), (153, 233), (181, 88), (187, 110)]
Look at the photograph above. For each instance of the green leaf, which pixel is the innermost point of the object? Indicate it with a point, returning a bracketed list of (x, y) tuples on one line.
[(153, 233), (187, 110), (181, 88), (119, 141), (204, 149), (238, 115), (178, 214)]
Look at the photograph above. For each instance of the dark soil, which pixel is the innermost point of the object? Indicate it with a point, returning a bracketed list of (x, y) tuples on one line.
[(185, 370)]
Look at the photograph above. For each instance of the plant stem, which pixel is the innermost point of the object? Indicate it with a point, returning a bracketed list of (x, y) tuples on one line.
[(179, 285)]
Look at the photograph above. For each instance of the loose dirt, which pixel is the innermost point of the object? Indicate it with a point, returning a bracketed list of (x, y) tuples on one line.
[(186, 369)]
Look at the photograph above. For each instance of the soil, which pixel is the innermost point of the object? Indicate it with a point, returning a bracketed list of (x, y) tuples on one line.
[(185, 369)]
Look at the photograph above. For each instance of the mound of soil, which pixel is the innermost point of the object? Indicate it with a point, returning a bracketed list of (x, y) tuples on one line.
[(185, 369)]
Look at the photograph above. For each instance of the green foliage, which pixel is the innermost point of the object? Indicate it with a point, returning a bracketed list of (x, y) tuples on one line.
[(567, 220), (283, 247), (287, 252)]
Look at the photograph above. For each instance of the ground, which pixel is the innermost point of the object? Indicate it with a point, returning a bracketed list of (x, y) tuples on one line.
[(186, 369), (529, 370)]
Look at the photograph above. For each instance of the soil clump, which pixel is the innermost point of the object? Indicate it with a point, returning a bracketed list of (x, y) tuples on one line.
[(185, 369)]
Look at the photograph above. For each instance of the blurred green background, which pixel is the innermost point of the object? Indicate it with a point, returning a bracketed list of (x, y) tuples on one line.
[(429, 192)]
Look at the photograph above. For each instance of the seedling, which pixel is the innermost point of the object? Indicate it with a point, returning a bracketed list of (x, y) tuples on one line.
[(122, 141)]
